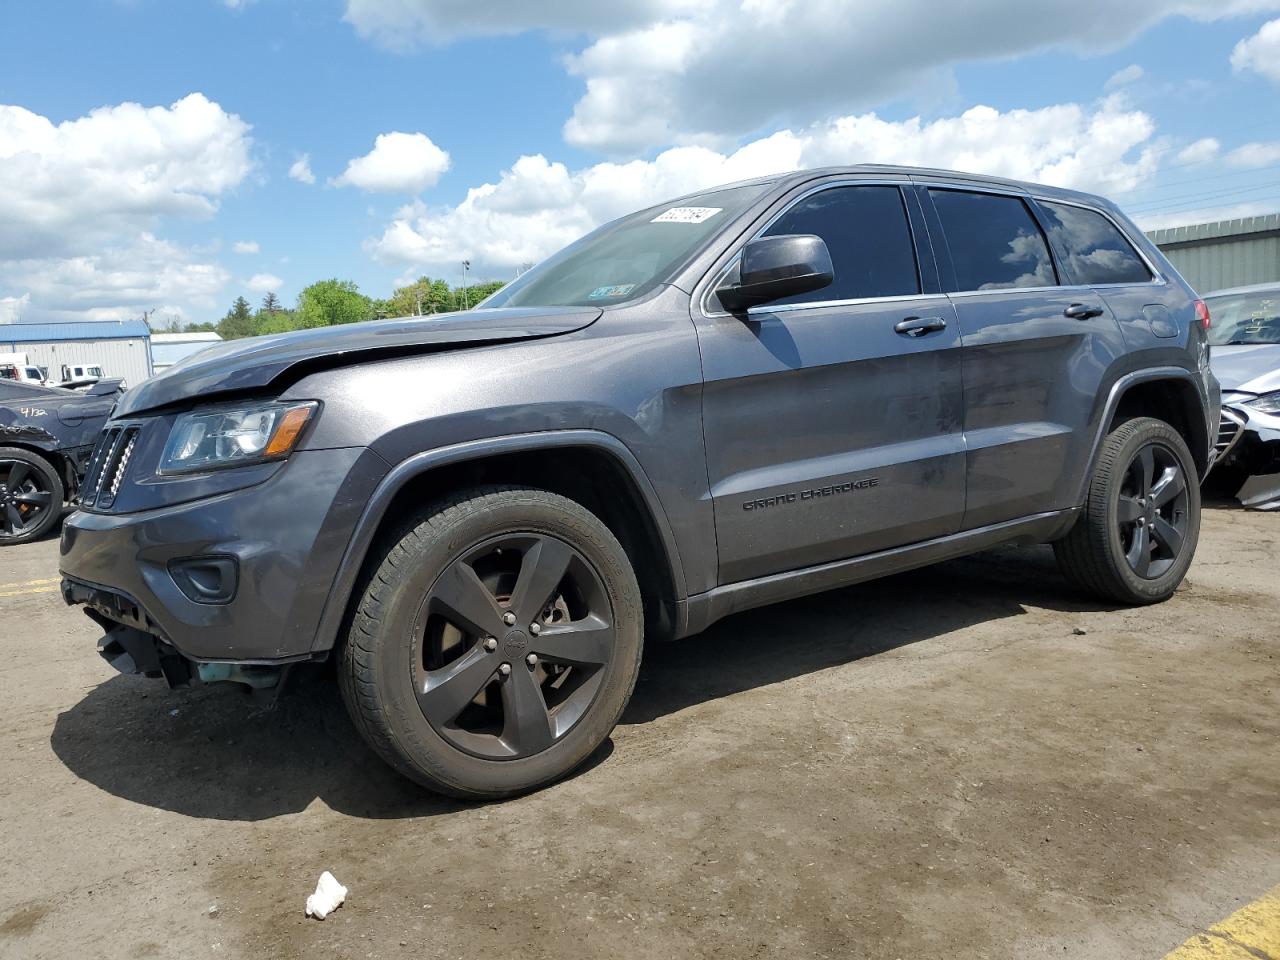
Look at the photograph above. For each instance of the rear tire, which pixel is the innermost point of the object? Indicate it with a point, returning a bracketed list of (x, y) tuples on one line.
[(458, 670), (1141, 519), (31, 496)]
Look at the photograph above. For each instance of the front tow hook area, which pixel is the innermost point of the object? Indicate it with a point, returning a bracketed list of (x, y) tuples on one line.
[(135, 652)]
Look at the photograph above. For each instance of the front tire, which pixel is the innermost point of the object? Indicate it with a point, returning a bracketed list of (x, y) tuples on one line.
[(31, 496), (1141, 520), (496, 643)]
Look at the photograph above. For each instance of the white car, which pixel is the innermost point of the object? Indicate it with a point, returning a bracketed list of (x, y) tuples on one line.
[(1245, 338)]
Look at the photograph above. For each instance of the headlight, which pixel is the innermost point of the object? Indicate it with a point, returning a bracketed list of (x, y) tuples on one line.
[(1267, 403), (234, 436)]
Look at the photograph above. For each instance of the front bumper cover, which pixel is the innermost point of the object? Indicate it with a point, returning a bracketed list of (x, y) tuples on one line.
[(286, 537), (1255, 451)]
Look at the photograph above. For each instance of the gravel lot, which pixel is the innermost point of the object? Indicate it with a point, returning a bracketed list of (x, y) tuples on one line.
[(965, 761)]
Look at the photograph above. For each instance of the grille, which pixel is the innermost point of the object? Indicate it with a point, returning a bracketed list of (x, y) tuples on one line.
[(107, 467), (1230, 427)]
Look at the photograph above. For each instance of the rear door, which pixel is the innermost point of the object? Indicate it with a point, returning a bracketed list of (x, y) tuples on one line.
[(1036, 354), (833, 419)]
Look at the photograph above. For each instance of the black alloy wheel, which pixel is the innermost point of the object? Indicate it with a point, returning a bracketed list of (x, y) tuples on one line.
[(511, 644), (30, 496), (1153, 511)]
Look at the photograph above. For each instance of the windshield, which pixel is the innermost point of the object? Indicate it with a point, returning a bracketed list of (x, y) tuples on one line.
[(1245, 318), (627, 258)]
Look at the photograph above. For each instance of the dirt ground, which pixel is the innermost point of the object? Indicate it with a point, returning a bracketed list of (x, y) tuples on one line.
[(965, 761)]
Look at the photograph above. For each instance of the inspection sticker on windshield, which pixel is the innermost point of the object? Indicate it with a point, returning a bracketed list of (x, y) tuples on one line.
[(620, 290), (686, 215)]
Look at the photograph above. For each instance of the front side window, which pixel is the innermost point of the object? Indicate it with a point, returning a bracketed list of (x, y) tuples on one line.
[(867, 234), (995, 243), (1095, 251)]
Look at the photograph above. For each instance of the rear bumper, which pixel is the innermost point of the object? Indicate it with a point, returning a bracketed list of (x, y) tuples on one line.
[(277, 544)]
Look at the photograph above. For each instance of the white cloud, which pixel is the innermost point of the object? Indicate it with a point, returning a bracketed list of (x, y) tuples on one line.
[(12, 308), (264, 283), (1199, 153), (398, 163), (1125, 76), (538, 206), (1255, 155), (301, 170), (661, 72), (80, 202), (117, 281), (246, 246), (1235, 211), (1260, 52)]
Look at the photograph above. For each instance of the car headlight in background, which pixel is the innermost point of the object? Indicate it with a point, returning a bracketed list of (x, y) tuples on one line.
[(1267, 403), (235, 436)]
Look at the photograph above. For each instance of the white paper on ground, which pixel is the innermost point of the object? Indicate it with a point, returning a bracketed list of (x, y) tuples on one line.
[(327, 898)]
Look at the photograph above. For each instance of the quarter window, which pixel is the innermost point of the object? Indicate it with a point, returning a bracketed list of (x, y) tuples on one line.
[(994, 241), (866, 230), (1093, 249)]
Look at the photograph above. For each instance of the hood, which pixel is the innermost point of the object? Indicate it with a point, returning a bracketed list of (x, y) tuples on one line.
[(1248, 368), (258, 362)]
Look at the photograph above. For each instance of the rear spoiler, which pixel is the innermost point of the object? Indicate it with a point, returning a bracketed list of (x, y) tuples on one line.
[(106, 388)]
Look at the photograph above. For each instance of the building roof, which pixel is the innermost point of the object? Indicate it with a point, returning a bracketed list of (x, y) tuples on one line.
[(100, 330), (1218, 230), (200, 336)]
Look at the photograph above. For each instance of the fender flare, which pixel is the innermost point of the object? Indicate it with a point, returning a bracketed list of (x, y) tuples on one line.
[(1116, 393), (366, 528)]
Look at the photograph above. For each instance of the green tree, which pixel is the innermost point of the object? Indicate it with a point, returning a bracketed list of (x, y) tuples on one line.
[(271, 304), (330, 302), (239, 321), (422, 296)]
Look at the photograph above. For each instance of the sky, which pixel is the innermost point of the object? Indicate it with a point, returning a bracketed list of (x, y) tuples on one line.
[(163, 157)]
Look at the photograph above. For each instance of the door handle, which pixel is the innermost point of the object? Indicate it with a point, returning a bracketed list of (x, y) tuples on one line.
[(1082, 311), (919, 326)]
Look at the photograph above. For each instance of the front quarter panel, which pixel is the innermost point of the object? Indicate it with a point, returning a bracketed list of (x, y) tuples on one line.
[(634, 375)]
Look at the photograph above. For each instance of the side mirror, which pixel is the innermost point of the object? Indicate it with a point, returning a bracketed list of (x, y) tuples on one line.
[(775, 267)]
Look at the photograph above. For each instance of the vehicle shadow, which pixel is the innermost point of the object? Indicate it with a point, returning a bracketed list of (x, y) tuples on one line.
[(212, 753)]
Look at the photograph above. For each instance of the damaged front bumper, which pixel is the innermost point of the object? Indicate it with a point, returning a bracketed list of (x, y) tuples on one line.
[(133, 643), (1249, 446)]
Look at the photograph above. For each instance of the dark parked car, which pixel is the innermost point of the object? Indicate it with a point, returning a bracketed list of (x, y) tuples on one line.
[(757, 392), (1246, 360), (46, 436)]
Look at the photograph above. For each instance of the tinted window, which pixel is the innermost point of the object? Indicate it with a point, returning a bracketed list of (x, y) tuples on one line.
[(866, 230), (1095, 251), (994, 241)]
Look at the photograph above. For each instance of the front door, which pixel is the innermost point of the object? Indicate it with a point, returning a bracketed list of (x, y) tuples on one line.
[(833, 420)]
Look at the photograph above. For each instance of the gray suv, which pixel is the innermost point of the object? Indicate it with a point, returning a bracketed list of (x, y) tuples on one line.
[(750, 394)]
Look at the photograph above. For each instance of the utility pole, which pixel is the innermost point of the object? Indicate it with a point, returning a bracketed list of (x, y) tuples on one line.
[(466, 300)]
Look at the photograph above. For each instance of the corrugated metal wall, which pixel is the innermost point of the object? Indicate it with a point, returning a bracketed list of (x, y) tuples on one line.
[(1231, 253), (118, 358)]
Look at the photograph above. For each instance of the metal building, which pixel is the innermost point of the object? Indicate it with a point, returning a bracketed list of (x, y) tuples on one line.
[(1229, 253), (122, 349), (168, 348)]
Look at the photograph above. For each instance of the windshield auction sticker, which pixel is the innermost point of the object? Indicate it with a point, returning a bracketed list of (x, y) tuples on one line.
[(686, 215)]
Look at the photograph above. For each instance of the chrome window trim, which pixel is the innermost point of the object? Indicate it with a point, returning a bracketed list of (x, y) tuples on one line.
[(1158, 279), (719, 275)]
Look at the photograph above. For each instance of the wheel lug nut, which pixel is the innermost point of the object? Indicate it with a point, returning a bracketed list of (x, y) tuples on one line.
[(505, 669), (535, 628), (531, 659), (508, 618), (491, 644)]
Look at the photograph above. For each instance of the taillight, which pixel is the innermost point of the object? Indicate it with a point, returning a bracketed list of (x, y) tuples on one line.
[(1202, 314)]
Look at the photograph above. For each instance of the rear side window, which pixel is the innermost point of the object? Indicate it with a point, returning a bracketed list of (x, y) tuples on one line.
[(994, 241), (866, 230), (1093, 249)]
